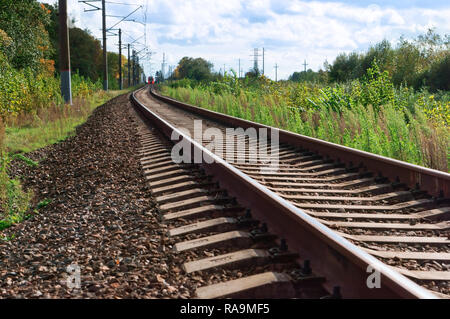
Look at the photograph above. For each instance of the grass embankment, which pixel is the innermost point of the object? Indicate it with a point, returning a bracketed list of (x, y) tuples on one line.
[(30, 131), (369, 115)]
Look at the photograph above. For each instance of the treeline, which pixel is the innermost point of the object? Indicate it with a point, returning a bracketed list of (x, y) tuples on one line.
[(197, 69), (369, 114), (29, 41), (200, 70), (29, 59), (86, 54), (423, 62), (27, 70)]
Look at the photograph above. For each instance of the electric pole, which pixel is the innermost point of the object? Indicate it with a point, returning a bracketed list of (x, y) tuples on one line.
[(64, 53), (94, 7), (172, 68), (276, 72), (138, 73), (129, 61), (304, 64), (239, 70), (105, 53), (163, 66), (134, 67), (224, 70), (263, 61), (120, 59)]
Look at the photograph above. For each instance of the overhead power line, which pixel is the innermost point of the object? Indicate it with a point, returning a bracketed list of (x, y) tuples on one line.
[(64, 52), (105, 30)]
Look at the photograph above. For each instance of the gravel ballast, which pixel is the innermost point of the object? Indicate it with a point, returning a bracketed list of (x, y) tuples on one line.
[(101, 219)]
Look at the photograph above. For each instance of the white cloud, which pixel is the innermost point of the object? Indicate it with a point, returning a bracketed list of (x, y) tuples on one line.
[(290, 30)]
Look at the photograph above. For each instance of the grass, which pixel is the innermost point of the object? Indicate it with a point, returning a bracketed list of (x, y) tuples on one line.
[(27, 160), (15, 202), (362, 116), (44, 203), (29, 132)]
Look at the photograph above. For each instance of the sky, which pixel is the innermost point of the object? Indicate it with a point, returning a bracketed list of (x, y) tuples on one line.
[(290, 31)]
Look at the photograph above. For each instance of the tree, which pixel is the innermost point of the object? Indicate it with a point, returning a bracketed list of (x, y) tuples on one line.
[(113, 70), (345, 67), (196, 69), (437, 76), (309, 76), (382, 53), (253, 73), (5, 45), (85, 50), (24, 22), (85, 54), (407, 60)]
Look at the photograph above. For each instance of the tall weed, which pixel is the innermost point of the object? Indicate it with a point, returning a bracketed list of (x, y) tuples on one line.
[(370, 115)]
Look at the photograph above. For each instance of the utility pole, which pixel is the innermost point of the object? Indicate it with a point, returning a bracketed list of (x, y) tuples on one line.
[(94, 7), (134, 67), (276, 72), (163, 66), (129, 61), (239, 70), (224, 70), (64, 53), (120, 59), (304, 64), (171, 68), (138, 73), (105, 53), (263, 61)]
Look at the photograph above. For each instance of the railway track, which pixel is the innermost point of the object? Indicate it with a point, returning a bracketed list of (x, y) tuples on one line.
[(327, 223)]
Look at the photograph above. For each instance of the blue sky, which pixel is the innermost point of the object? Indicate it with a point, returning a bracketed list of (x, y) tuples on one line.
[(291, 31)]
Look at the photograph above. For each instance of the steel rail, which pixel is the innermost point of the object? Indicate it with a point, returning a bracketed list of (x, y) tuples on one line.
[(436, 183), (340, 261)]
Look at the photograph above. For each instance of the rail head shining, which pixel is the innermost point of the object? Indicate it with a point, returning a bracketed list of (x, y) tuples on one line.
[(396, 281)]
